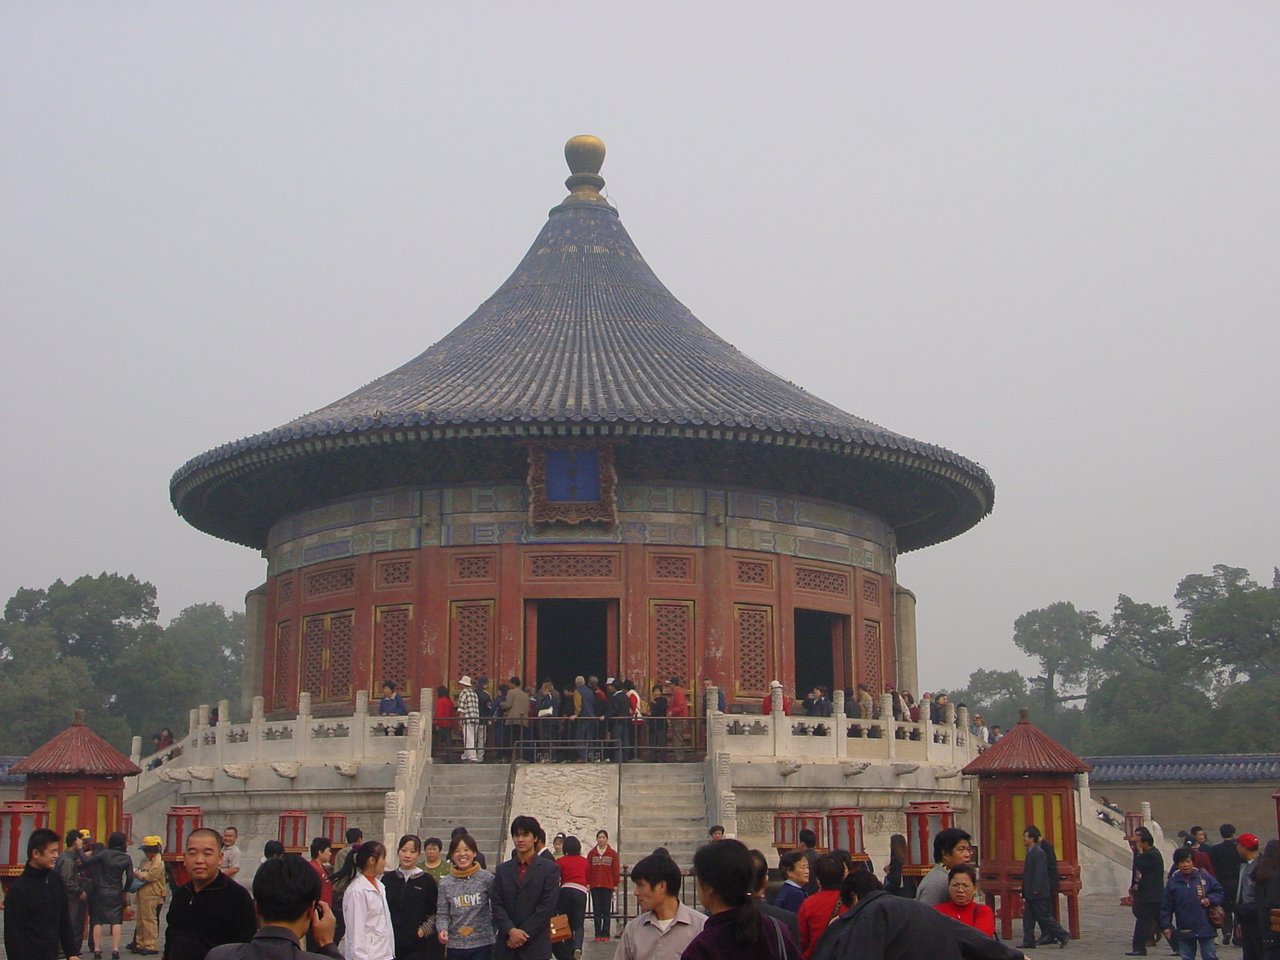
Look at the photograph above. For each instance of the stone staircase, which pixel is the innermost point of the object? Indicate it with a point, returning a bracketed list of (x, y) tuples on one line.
[(473, 795), (661, 805)]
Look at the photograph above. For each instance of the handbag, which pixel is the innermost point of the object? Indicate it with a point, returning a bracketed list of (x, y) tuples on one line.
[(1217, 915), (134, 884), (560, 929)]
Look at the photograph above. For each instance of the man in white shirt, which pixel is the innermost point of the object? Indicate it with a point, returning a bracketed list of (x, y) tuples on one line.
[(666, 926), (230, 853)]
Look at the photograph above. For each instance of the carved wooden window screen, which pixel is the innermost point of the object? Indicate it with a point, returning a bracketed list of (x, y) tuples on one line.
[(753, 573), (753, 640), (282, 681), (871, 590), (395, 573), (473, 568), (326, 657), (830, 582), (871, 656), (471, 624), (675, 568), (672, 638), (286, 592), (341, 580), (392, 635), (574, 566)]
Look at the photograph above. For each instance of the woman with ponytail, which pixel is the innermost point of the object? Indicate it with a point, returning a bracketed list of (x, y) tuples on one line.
[(735, 926), (464, 915), (365, 909)]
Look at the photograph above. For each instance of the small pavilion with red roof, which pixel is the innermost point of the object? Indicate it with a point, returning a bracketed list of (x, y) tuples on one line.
[(80, 777), (1026, 778)]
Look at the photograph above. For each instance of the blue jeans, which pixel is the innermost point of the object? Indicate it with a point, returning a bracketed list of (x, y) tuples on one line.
[(1208, 948), (475, 953)]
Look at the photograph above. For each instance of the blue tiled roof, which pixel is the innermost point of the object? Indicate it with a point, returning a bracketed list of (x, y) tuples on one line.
[(6, 777), (1210, 767), (583, 336)]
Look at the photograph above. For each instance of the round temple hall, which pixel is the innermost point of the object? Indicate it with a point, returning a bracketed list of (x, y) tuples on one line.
[(581, 478)]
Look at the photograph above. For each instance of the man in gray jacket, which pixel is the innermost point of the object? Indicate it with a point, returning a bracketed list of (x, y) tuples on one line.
[(1037, 894)]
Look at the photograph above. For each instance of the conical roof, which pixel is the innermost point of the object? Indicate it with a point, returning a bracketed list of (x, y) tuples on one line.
[(582, 333), (77, 750), (1026, 749)]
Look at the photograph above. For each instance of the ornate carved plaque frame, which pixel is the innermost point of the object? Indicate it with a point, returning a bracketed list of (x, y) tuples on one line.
[(545, 508)]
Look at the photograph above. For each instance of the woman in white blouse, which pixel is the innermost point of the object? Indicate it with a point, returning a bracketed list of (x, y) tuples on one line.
[(365, 910)]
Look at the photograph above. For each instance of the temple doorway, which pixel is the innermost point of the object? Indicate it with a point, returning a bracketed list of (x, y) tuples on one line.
[(820, 651), (571, 637)]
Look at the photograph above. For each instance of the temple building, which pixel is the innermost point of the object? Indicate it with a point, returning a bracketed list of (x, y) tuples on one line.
[(580, 478)]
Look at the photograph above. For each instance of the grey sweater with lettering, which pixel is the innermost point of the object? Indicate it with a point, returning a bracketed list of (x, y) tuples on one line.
[(464, 910)]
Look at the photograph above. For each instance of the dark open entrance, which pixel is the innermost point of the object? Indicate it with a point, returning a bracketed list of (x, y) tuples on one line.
[(573, 639), (819, 645)]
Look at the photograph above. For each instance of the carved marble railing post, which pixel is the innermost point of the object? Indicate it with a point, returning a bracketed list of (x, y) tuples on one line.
[(391, 815), (360, 724), (222, 729), (135, 751), (193, 720), (963, 738), (888, 725), (837, 703), (729, 813), (256, 720), (926, 725), (413, 729), (1146, 813), (302, 727), (838, 725), (712, 701), (202, 715), (777, 721)]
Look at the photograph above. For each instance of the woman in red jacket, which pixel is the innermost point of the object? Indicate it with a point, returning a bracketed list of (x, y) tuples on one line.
[(820, 908), (602, 877), (574, 869), (962, 885)]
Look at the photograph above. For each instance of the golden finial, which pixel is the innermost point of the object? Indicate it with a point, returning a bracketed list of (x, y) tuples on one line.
[(585, 156)]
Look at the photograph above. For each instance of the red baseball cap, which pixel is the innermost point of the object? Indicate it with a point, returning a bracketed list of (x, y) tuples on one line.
[(1248, 841)]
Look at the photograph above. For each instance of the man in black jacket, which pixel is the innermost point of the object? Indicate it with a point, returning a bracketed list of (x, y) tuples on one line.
[(1226, 867), (37, 924), (287, 893), (210, 909), (1037, 894), (880, 926), (524, 895), (1147, 890)]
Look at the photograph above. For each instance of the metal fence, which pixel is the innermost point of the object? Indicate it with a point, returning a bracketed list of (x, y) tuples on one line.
[(564, 740)]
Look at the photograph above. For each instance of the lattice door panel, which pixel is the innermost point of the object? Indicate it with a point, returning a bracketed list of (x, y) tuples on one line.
[(471, 634), (393, 626), (753, 641), (871, 656), (671, 638), (326, 658), (283, 684)]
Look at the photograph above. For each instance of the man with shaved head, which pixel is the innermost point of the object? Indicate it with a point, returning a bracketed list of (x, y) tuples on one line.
[(210, 909)]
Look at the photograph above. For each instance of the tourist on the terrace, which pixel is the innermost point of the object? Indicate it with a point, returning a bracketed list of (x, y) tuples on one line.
[(707, 684), (979, 730), (365, 910), (963, 887), (472, 729), (392, 703), (656, 728), (442, 722), (664, 926), (588, 712), (620, 729), (951, 847), (464, 913), (1184, 909), (517, 714), (817, 704), (735, 926), (820, 908), (866, 705), (605, 868), (766, 705), (996, 733)]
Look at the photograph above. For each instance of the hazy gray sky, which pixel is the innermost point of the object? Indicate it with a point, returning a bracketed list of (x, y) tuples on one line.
[(1043, 235)]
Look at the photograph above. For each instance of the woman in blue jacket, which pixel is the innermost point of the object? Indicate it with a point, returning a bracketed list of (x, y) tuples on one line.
[(1188, 896)]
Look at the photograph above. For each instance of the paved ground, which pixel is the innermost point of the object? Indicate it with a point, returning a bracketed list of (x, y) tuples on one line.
[(1105, 930)]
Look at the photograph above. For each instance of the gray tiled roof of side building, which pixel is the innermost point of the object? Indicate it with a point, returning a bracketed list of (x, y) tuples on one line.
[(1192, 767)]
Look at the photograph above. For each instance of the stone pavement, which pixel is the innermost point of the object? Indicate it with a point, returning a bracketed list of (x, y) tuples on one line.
[(1105, 930)]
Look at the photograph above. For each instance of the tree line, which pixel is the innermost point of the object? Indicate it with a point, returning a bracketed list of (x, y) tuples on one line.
[(1148, 680), (97, 644)]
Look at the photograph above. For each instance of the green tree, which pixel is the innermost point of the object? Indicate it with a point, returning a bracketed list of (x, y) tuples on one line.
[(1234, 622), (1061, 638), (1142, 636), (1142, 712)]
